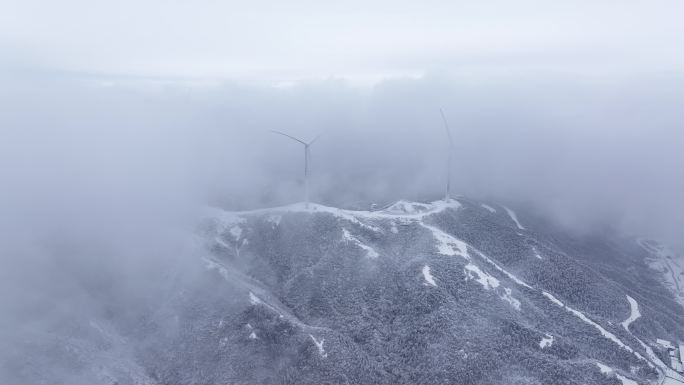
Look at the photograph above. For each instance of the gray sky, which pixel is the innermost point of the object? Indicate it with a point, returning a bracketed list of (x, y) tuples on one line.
[(573, 106), (280, 42)]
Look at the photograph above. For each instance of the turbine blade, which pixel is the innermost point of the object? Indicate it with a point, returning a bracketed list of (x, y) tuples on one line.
[(289, 136)]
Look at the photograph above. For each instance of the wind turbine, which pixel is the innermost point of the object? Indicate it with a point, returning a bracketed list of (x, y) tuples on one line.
[(449, 159), (306, 162)]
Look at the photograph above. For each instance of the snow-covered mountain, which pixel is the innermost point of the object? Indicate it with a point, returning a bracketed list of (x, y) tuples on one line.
[(669, 263), (458, 292)]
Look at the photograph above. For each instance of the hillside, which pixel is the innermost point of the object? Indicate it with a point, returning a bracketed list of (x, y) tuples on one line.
[(458, 292)]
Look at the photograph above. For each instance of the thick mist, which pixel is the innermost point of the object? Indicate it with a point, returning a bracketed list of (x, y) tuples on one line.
[(581, 148), (104, 179)]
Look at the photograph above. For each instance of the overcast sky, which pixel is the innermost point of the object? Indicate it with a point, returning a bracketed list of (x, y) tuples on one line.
[(574, 106), (276, 41)]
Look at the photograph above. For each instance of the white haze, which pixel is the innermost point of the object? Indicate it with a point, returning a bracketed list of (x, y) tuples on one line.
[(275, 42)]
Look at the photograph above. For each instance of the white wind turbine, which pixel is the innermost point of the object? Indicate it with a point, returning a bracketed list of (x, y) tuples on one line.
[(447, 194), (306, 162)]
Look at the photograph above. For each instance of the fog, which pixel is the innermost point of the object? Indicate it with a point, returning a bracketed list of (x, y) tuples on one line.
[(77, 150), (113, 139)]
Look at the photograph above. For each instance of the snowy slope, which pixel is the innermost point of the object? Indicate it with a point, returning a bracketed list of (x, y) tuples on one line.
[(428, 263), (454, 292), (669, 264)]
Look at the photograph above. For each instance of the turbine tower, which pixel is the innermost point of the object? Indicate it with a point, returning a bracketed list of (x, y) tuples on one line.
[(447, 194), (306, 162)]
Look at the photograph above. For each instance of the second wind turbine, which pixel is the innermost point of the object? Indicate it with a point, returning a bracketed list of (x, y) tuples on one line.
[(307, 145), (447, 194)]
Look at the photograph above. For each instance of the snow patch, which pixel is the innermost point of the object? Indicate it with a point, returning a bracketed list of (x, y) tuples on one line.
[(510, 276), (610, 372), (508, 297), (474, 272), (370, 252), (634, 313), (448, 245), (346, 215), (546, 341), (236, 231), (553, 299), (428, 276), (625, 380), (536, 253), (514, 217), (253, 299), (408, 210), (488, 207), (605, 369), (414, 210), (235, 277), (405, 207), (319, 345), (252, 335)]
